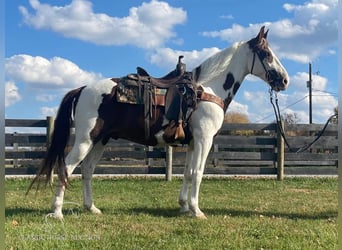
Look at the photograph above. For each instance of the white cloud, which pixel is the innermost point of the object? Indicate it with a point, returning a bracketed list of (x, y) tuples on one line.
[(148, 25), (47, 73), (167, 58), (299, 82), (310, 33), (46, 97), (11, 93), (227, 16), (47, 111), (238, 108)]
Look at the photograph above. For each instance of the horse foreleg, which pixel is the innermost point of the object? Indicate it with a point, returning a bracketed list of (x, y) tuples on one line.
[(183, 195), (87, 168), (73, 159), (201, 151)]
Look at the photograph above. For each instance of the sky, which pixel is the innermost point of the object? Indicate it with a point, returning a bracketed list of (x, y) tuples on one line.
[(54, 46)]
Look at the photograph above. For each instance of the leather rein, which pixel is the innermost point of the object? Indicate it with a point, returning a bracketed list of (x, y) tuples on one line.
[(281, 129)]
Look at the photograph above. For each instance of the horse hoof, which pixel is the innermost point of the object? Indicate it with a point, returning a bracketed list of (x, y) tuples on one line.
[(184, 210), (94, 210), (201, 216), (56, 215)]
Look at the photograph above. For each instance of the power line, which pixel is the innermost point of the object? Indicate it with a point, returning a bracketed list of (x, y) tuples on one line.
[(327, 92), (290, 105), (309, 85)]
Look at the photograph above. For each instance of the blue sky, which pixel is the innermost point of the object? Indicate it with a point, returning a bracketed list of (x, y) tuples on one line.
[(54, 46)]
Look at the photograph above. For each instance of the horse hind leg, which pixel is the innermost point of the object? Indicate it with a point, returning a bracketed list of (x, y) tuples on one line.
[(87, 169), (72, 160)]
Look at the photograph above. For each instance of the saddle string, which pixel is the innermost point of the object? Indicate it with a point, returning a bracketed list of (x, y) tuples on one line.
[(282, 132)]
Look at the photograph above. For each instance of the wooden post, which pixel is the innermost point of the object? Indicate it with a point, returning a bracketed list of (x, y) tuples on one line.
[(215, 160), (168, 162), (280, 153), (149, 160), (16, 149), (49, 130)]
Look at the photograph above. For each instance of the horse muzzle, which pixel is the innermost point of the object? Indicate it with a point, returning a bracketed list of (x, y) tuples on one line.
[(276, 81)]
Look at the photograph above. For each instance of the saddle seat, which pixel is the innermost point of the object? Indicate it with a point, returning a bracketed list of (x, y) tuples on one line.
[(177, 76), (172, 78)]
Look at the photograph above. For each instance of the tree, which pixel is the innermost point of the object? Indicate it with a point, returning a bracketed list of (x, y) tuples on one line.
[(290, 118), (235, 117), (335, 119)]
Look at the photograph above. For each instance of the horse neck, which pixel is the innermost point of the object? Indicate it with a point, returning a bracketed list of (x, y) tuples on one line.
[(223, 73)]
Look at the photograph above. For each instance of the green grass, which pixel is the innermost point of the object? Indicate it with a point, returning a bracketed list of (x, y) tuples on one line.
[(142, 213)]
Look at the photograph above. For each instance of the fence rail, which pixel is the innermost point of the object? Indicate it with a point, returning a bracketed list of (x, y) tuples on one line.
[(237, 149)]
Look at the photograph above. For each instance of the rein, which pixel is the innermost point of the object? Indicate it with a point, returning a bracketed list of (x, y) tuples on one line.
[(282, 132)]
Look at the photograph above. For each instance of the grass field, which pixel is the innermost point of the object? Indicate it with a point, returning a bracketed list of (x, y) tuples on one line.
[(142, 213)]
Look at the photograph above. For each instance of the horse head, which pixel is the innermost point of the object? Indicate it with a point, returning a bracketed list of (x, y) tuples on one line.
[(265, 64)]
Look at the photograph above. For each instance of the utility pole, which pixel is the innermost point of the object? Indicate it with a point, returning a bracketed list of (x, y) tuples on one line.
[(309, 85)]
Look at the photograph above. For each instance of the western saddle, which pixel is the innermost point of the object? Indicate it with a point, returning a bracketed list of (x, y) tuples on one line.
[(174, 91)]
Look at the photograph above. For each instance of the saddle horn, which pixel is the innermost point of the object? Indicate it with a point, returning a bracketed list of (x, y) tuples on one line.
[(181, 67)]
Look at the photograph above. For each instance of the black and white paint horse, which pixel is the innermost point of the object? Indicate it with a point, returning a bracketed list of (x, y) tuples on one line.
[(98, 117)]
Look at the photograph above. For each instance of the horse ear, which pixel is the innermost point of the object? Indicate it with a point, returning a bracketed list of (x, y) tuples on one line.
[(266, 33), (261, 34)]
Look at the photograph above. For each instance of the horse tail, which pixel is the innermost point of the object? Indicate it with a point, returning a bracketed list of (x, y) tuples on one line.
[(55, 154)]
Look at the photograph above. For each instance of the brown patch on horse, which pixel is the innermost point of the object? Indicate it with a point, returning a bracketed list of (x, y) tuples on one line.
[(236, 87), (123, 120), (260, 45), (227, 101), (228, 83)]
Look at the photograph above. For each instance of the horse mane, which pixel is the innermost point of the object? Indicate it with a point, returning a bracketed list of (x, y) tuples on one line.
[(217, 63)]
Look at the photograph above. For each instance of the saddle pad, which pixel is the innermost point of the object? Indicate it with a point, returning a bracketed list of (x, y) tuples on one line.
[(134, 95)]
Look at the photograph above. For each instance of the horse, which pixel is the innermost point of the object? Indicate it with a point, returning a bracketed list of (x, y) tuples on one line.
[(98, 117)]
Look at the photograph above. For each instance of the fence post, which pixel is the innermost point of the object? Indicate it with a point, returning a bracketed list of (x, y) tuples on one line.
[(215, 160), (149, 160), (168, 162), (49, 130), (16, 149), (280, 153)]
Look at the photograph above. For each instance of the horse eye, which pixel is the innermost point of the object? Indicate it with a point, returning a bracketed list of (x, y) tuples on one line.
[(269, 57), (264, 54)]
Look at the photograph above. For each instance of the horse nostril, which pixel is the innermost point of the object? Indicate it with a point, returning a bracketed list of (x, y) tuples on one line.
[(285, 81)]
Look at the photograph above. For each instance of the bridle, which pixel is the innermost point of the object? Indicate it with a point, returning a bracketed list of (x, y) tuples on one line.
[(255, 52), (277, 111), (281, 129)]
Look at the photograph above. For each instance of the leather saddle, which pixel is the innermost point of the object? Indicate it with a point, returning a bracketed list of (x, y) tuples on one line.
[(177, 76), (174, 77), (174, 91)]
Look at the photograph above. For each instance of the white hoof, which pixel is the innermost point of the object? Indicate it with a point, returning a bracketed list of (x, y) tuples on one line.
[(201, 216), (55, 215), (94, 210)]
